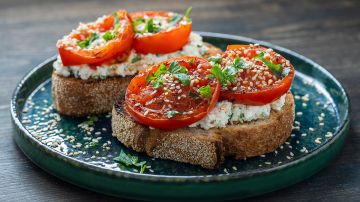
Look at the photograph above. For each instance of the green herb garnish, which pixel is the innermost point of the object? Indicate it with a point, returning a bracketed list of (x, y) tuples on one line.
[(137, 22), (171, 114), (191, 62), (150, 27), (135, 59), (228, 73), (215, 59), (93, 144), (217, 72), (108, 36), (180, 72), (128, 161), (175, 19), (91, 120), (193, 95), (85, 43), (187, 14), (205, 91), (156, 77), (276, 69)]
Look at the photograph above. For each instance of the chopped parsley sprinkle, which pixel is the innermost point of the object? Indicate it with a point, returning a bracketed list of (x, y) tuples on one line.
[(175, 19), (215, 59), (178, 71), (128, 161), (91, 120), (171, 114), (135, 59), (187, 14), (276, 69), (205, 91), (150, 27), (229, 72), (193, 95), (85, 43), (108, 36)]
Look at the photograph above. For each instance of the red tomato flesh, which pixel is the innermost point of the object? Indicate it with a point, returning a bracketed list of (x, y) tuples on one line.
[(164, 41), (72, 54), (174, 104), (256, 84)]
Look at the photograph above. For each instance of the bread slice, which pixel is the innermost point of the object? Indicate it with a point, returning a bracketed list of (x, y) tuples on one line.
[(206, 148), (77, 97)]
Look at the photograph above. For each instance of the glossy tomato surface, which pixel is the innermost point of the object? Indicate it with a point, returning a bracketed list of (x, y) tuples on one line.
[(164, 40), (256, 83), (173, 94), (88, 43)]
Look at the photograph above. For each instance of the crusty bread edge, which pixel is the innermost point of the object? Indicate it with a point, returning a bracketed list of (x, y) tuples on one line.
[(206, 148)]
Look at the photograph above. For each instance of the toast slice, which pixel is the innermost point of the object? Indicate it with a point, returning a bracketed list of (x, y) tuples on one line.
[(206, 148), (77, 97)]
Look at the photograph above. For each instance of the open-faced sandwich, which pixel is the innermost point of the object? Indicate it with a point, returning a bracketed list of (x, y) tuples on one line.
[(198, 111), (97, 60)]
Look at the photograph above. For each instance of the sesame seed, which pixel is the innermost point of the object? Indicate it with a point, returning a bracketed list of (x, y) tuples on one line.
[(146, 112), (303, 135), (329, 135), (317, 140), (311, 129), (299, 113)]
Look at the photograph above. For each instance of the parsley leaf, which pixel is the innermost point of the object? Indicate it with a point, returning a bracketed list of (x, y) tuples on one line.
[(205, 91), (91, 120), (193, 95), (180, 72), (175, 19), (130, 161), (183, 78), (136, 23), (85, 43), (217, 72), (158, 83), (191, 62), (135, 59), (215, 59), (275, 68), (150, 27), (239, 63), (175, 68), (108, 36), (171, 114), (187, 14)]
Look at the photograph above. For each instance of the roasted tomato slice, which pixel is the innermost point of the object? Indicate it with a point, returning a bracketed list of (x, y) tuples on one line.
[(160, 32), (98, 41), (254, 75), (172, 94)]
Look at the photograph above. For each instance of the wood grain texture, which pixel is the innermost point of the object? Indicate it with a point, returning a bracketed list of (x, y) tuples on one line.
[(325, 31)]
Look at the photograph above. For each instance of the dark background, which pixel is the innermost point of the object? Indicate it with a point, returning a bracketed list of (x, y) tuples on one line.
[(326, 31)]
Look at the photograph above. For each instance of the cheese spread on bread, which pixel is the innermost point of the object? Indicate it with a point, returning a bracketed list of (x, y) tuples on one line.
[(226, 113), (134, 62)]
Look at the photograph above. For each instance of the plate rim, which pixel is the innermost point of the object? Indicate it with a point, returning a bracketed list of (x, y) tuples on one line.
[(189, 178)]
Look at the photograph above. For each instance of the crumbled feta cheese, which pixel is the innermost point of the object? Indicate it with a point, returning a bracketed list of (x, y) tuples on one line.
[(226, 112), (279, 103), (194, 47), (249, 113), (217, 118)]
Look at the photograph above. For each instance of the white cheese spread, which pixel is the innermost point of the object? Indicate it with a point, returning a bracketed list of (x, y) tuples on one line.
[(132, 65), (227, 112)]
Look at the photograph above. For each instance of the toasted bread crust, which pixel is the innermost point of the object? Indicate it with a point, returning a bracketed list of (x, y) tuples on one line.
[(206, 148), (77, 97)]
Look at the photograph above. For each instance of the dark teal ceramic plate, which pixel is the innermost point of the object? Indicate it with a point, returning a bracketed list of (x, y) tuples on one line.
[(62, 147)]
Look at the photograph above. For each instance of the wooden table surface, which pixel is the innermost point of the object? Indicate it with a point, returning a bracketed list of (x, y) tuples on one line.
[(326, 31)]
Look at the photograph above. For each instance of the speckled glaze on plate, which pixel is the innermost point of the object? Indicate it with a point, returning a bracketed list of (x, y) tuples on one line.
[(63, 147)]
